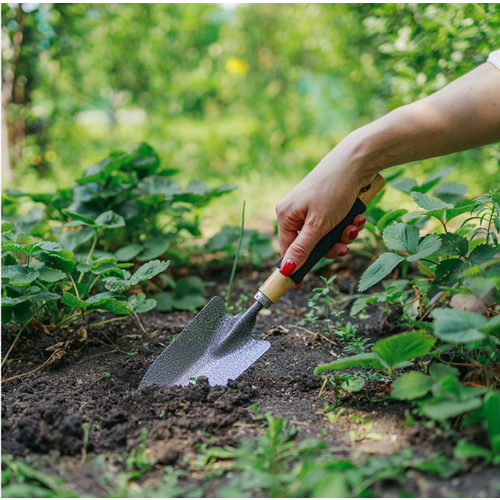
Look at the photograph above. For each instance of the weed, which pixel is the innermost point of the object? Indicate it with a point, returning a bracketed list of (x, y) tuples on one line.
[(320, 307), (276, 465), (448, 306), (137, 459), (236, 255), (21, 480)]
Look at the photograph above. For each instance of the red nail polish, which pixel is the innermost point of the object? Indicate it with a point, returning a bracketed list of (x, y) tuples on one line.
[(353, 234), (288, 267), (344, 253), (362, 220)]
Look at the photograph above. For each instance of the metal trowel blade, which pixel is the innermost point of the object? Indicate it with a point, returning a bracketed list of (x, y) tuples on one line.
[(213, 345)]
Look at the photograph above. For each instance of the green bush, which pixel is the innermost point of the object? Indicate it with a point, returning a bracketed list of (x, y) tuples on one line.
[(446, 299)]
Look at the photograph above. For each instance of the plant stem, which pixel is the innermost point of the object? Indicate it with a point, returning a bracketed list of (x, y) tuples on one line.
[(74, 285), (32, 371), (140, 324), (67, 320), (109, 321), (21, 330), (418, 263), (92, 248), (235, 262), (444, 225), (92, 285)]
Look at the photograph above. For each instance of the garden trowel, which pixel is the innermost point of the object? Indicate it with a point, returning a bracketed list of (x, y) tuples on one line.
[(220, 347)]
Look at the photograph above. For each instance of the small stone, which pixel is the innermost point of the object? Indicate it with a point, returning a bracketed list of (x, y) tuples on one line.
[(169, 457)]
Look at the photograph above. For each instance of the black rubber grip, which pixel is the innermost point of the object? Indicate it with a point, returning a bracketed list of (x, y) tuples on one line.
[(327, 242)]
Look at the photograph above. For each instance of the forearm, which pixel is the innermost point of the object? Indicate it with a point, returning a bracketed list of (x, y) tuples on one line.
[(463, 115)]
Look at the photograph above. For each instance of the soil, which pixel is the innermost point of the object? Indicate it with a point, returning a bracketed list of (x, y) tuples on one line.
[(96, 378)]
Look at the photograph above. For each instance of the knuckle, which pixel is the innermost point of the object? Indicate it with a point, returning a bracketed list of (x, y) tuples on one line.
[(318, 224), (299, 250)]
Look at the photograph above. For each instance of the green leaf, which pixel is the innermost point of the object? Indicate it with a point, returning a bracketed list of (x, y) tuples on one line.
[(148, 271), (491, 405), (13, 247), (451, 213), (390, 217), (51, 275), (112, 305), (450, 192), (402, 237), (79, 217), (158, 185), (99, 266), (97, 302), (439, 370), (404, 184), (83, 268), (379, 270), (466, 450), (483, 254), (191, 285), (71, 300), (427, 246), (24, 276), (102, 170), (492, 326), (403, 347), (6, 314), (453, 244), (365, 359), (426, 186), (110, 220), (359, 305), (139, 304), (22, 312), (197, 193), (128, 252), (411, 385), (154, 248), (164, 302), (11, 271), (73, 239), (189, 302), (11, 301), (115, 284), (442, 410), (353, 383), (455, 326), (446, 273), (145, 272), (428, 203), (7, 226), (439, 174)]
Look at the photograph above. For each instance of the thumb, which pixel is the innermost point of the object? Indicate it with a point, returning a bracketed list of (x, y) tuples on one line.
[(299, 250)]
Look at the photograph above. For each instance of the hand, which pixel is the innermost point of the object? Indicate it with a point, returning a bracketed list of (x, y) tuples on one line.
[(316, 205)]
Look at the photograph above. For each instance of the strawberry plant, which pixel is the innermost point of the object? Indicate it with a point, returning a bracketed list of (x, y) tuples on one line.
[(46, 285), (138, 196), (447, 295), (255, 246), (127, 197)]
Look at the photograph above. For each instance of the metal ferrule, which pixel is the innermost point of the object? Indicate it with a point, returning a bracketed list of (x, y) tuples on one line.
[(262, 299)]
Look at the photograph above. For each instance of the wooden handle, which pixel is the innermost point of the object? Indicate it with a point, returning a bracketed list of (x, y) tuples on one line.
[(277, 284), (369, 192)]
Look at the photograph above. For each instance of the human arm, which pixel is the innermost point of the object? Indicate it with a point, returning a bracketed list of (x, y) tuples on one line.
[(463, 115)]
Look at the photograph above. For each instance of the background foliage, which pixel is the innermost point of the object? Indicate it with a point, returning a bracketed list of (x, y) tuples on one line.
[(253, 95)]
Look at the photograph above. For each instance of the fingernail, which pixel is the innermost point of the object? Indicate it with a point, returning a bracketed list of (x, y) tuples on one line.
[(344, 253), (288, 267), (353, 234), (362, 220)]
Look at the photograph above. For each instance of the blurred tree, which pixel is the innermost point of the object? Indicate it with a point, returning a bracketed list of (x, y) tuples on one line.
[(221, 90)]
